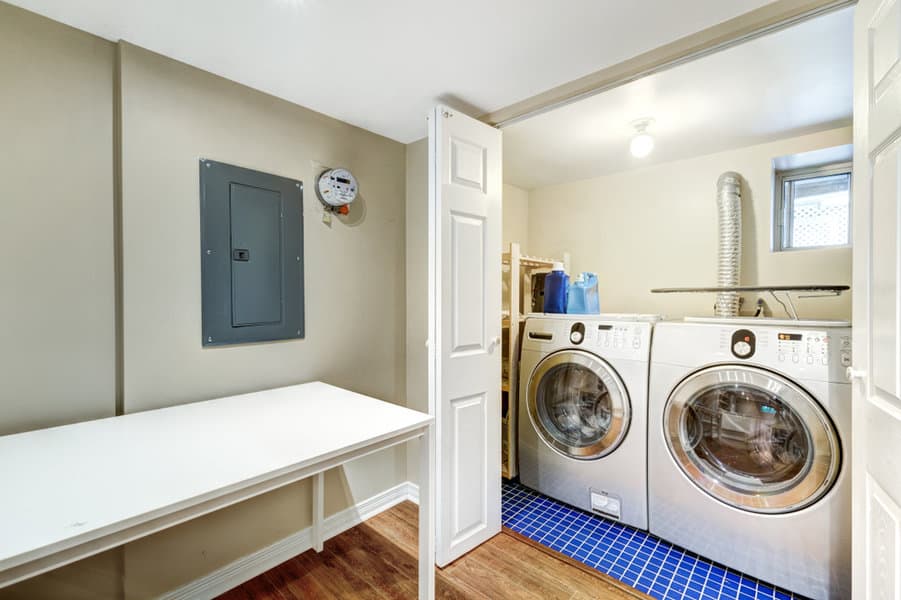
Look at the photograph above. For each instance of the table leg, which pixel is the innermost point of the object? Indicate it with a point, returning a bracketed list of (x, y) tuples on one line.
[(318, 510), (427, 515)]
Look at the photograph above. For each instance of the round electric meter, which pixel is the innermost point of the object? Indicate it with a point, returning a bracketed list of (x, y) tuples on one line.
[(337, 187)]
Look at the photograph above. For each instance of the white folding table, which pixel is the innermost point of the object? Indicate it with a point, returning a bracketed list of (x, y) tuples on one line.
[(69, 492)]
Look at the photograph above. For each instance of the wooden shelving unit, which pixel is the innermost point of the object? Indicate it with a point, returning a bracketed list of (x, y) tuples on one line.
[(517, 272)]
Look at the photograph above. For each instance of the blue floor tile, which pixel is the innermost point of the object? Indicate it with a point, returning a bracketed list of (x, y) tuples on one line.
[(652, 565)]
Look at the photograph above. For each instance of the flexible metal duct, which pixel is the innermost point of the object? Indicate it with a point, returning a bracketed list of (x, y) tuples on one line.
[(728, 201)]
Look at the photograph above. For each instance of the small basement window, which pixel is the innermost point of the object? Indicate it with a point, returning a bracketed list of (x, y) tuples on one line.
[(812, 207)]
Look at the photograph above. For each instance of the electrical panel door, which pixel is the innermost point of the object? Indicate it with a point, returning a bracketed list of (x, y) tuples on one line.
[(251, 255)]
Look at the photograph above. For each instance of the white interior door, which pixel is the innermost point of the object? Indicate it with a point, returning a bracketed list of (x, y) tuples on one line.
[(464, 328), (876, 443)]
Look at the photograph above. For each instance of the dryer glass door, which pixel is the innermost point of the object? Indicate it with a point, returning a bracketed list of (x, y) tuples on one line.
[(752, 439), (578, 404)]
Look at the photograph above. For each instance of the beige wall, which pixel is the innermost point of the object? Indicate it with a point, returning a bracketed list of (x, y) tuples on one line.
[(57, 112), (57, 359), (515, 217), (417, 274), (95, 578), (657, 227), (172, 115)]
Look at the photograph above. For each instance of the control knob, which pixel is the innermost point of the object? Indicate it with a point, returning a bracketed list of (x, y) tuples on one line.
[(577, 333), (741, 348)]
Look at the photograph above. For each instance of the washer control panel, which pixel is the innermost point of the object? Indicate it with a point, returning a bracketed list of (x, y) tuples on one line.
[(626, 336), (608, 338)]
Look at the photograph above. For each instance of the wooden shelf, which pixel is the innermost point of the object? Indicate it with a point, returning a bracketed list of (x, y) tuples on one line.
[(516, 274), (530, 262), (536, 263)]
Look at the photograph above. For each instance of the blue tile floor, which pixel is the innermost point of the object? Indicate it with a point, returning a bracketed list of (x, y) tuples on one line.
[(635, 557)]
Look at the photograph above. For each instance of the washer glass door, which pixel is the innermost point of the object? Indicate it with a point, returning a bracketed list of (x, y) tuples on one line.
[(578, 404), (752, 439)]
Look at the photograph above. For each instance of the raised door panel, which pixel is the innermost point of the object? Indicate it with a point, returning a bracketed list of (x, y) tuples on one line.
[(886, 44), (884, 77), (468, 164), (467, 249), (882, 515), (884, 523), (885, 272), (470, 512)]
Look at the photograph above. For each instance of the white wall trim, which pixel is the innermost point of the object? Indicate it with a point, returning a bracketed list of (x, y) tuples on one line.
[(412, 490), (251, 565)]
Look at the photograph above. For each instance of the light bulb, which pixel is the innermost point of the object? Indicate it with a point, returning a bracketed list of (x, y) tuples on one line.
[(641, 145)]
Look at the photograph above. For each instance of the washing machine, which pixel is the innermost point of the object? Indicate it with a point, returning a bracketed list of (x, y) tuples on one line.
[(583, 410), (748, 448)]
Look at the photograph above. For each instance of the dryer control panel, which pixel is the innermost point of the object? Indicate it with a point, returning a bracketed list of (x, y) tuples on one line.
[(805, 351), (812, 348), (810, 353)]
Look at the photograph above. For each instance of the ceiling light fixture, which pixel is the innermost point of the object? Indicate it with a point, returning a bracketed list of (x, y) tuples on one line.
[(642, 144)]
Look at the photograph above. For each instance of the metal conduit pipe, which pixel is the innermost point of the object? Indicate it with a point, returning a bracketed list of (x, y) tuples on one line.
[(728, 201)]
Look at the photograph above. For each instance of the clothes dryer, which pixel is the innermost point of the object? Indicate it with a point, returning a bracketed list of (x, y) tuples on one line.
[(748, 440)]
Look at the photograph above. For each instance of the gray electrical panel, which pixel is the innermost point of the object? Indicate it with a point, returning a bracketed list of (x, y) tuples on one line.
[(251, 248)]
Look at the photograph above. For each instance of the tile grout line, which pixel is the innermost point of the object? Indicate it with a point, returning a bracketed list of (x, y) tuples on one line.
[(648, 562), (694, 567), (634, 557), (706, 579), (669, 584), (669, 550), (585, 522)]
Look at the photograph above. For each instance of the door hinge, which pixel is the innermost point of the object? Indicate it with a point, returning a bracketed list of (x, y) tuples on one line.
[(855, 374)]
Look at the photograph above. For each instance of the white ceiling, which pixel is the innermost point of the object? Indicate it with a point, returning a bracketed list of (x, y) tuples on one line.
[(790, 82), (381, 64)]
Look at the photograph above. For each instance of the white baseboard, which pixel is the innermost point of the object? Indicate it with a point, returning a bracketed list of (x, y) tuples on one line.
[(248, 567), (412, 491)]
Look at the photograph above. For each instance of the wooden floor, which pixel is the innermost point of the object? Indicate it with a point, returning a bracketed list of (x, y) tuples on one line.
[(377, 560)]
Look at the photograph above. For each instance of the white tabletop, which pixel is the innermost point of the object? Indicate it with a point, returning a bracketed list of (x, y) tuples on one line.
[(76, 482)]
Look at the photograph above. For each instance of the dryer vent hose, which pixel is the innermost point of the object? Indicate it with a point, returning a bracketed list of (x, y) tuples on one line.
[(728, 200)]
